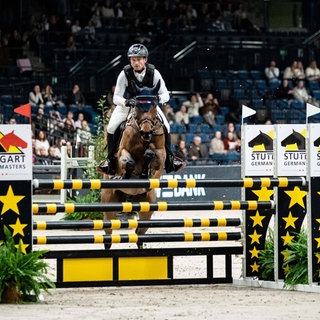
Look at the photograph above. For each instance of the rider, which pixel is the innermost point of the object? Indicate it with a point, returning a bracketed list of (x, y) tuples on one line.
[(142, 74)]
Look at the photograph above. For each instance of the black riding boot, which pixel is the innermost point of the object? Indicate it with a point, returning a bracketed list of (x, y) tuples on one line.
[(109, 165), (173, 163)]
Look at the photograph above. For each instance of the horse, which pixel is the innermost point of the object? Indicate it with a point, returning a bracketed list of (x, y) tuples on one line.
[(295, 138), (141, 154), (262, 138)]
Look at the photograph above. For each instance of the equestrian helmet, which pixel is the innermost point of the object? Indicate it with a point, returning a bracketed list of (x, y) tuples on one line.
[(138, 50)]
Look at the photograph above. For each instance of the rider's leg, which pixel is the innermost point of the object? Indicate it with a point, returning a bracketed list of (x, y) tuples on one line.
[(172, 163), (109, 165)]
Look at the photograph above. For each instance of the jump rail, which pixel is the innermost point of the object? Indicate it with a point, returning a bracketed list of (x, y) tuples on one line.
[(134, 238), (133, 224), (52, 208), (77, 184)]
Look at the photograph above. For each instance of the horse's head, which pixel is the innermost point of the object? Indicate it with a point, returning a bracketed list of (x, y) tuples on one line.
[(146, 116), (146, 110)]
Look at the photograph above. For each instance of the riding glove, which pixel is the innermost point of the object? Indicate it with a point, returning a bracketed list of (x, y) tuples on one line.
[(130, 103)]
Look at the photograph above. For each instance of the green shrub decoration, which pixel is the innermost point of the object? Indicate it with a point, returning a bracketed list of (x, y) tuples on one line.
[(21, 274), (295, 263)]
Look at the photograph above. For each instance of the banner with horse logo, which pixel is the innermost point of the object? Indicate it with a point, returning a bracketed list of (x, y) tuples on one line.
[(291, 150), (15, 152), (258, 150)]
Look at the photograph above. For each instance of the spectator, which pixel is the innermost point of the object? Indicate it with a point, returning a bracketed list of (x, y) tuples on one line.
[(194, 105), (71, 48), (40, 121), (55, 121), (210, 109), (300, 93), (182, 116), (272, 72), (84, 135), (231, 144), (231, 128), (198, 152), (50, 99), (68, 130), (52, 155), (69, 116), (12, 120), (289, 72), (181, 150), (76, 28), (169, 113), (312, 71), (41, 142), (42, 157), (217, 145), (35, 96), (284, 91), (299, 71), (76, 96), (78, 122)]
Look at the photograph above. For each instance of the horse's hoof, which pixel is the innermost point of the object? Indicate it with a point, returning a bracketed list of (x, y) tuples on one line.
[(149, 154)]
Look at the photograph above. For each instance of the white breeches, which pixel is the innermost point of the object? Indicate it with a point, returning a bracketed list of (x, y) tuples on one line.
[(120, 114)]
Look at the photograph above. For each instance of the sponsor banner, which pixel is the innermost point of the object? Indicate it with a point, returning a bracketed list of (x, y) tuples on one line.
[(291, 150), (258, 150), (314, 149), (15, 152), (201, 193)]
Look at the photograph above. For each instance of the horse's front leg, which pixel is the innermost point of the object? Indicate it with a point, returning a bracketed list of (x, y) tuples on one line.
[(126, 164), (147, 157)]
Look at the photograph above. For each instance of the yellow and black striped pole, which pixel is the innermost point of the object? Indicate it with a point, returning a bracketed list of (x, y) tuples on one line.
[(134, 238), (51, 208), (133, 224), (257, 182)]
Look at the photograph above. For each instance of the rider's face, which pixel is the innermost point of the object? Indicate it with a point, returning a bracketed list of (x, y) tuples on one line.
[(138, 63)]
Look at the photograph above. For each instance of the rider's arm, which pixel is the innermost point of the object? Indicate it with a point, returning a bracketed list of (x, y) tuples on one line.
[(163, 91), (120, 89)]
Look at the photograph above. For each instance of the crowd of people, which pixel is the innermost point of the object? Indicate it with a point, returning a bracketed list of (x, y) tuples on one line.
[(52, 128)]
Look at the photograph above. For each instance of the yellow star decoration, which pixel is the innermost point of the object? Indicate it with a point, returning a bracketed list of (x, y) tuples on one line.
[(255, 267), (257, 219), (285, 254), (290, 221), (318, 256), (286, 268), (255, 237), (318, 240), (22, 246), (264, 194), (296, 196), (287, 238), (254, 252), (318, 220), (10, 201), (18, 228)]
